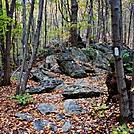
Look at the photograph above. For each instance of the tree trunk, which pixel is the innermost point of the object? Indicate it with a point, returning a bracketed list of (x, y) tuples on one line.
[(89, 29), (1, 37), (7, 70), (103, 23), (132, 84), (125, 27), (106, 19), (36, 43), (130, 20), (123, 96), (73, 18), (25, 38), (45, 43), (121, 24), (98, 29)]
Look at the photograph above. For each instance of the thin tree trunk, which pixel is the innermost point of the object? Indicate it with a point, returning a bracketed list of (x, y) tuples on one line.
[(125, 27), (45, 43), (103, 23), (89, 29), (98, 29), (121, 24), (107, 18), (36, 43), (123, 102), (25, 38), (130, 20)]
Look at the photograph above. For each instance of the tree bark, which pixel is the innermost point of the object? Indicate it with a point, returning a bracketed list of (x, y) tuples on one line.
[(73, 18), (89, 29), (36, 43), (125, 27), (123, 96), (132, 84), (98, 27), (7, 69), (1, 37), (25, 38), (103, 23), (130, 20), (121, 24), (45, 43)]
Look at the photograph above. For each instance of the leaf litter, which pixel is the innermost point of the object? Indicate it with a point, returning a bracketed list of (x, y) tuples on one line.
[(96, 119)]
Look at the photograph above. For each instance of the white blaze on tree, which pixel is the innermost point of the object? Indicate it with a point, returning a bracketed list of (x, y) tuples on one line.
[(123, 95)]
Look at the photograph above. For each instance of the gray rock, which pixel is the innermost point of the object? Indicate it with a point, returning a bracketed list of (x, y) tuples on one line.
[(67, 126), (51, 83), (60, 117), (46, 108), (84, 110), (46, 86), (51, 125), (40, 74), (78, 91), (78, 55), (55, 69), (24, 116), (72, 107), (37, 75), (70, 67), (50, 61), (39, 125)]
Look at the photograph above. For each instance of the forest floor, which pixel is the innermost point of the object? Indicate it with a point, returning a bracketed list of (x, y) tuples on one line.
[(98, 119)]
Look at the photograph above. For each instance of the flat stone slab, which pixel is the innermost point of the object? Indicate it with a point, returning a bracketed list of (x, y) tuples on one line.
[(78, 91), (46, 86), (46, 108)]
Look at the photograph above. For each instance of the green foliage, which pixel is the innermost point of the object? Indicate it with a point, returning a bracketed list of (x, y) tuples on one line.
[(41, 50), (22, 99), (18, 5), (14, 76), (127, 61), (90, 50), (4, 21), (122, 130)]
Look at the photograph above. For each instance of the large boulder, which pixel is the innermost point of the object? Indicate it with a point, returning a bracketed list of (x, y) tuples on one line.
[(70, 67), (50, 61), (78, 55)]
